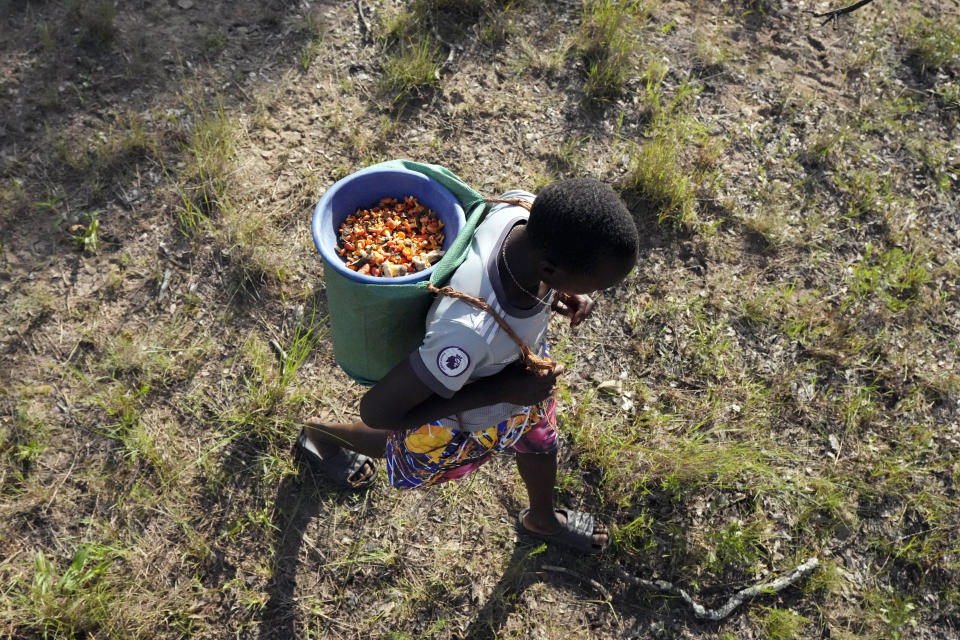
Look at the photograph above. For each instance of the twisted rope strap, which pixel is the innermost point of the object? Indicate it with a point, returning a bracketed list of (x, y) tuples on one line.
[(533, 363), (517, 202)]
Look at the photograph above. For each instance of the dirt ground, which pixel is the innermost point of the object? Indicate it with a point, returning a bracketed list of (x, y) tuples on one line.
[(780, 379)]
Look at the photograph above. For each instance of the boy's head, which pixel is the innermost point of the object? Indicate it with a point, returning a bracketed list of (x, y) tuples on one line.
[(585, 235)]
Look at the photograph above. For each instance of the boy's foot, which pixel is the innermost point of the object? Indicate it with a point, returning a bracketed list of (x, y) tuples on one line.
[(570, 528), (345, 467)]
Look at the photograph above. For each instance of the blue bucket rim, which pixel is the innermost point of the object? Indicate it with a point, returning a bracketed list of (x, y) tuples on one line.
[(336, 261)]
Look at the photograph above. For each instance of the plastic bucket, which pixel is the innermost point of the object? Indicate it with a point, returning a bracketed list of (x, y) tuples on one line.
[(364, 189), (375, 322)]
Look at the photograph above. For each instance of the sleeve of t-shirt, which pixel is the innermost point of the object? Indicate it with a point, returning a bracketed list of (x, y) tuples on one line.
[(448, 357)]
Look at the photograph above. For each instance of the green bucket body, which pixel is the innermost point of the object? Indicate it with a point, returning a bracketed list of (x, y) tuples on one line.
[(375, 326)]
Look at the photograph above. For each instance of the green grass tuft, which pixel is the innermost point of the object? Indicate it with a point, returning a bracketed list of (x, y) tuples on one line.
[(96, 20), (411, 68), (670, 167), (782, 624), (894, 276), (932, 44), (66, 602), (607, 44), (203, 176)]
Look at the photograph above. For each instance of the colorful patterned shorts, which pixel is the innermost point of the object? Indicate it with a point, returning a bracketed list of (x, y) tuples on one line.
[(432, 453)]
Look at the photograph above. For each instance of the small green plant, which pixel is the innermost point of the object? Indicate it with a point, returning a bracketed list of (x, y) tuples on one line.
[(569, 154), (663, 170), (36, 299), (711, 54), (29, 452), (868, 193), (936, 161), (135, 357), (124, 405), (824, 147), (497, 23), (308, 52), (657, 176), (263, 390), (637, 535), (85, 232), (254, 247), (396, 27), (305, 337), (47, 38), (828, 578), (892, 612), (202, 179), (781, 624), (22, 441), (949, 94), (733, 546), (214, 43), (859, 406), (888, 115), (14, 199), (533, 56)]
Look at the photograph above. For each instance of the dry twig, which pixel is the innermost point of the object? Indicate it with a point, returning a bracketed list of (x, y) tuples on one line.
[(164, 285), (735, 600), (365, 32), (834, 15), (451, 47), (281, 354)]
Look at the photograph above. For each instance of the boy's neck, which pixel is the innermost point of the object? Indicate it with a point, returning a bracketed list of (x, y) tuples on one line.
[(518, 270)]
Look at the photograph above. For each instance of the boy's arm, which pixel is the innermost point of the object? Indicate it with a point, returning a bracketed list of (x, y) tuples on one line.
[(402, 401)]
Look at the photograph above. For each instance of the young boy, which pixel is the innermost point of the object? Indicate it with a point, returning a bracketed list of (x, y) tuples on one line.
[(462, 395)]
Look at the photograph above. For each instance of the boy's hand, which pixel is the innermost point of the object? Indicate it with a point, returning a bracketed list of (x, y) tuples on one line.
[(521, 387), (576, 307)]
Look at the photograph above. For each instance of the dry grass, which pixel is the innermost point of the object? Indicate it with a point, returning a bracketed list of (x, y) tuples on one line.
[(779, 378)]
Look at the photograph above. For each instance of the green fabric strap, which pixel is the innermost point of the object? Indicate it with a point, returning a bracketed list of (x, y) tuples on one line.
[(473, 205)]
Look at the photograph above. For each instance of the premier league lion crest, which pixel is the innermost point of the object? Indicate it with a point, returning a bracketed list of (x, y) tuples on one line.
[(453, 361)]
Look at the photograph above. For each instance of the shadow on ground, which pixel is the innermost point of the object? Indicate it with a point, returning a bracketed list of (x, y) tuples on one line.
[(297, 503)]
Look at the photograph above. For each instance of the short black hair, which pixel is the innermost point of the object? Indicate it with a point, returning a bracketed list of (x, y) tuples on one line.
[(579, 221)]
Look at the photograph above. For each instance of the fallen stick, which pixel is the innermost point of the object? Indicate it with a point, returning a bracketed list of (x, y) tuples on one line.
[(736, 600), (452, 48), (281, 355), (365, 33), (163, 286), (836, 13)]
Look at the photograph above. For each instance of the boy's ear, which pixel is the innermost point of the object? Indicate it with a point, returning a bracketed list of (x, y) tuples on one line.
[(547, 268)]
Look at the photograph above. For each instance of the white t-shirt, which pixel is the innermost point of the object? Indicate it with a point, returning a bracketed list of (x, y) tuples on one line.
[(464, 343)]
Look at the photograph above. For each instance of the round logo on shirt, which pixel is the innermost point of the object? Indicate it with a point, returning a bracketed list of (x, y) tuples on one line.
[(452, 361)]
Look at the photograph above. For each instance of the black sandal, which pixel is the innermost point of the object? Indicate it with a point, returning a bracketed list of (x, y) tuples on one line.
[(339, 468), (577, 532)]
